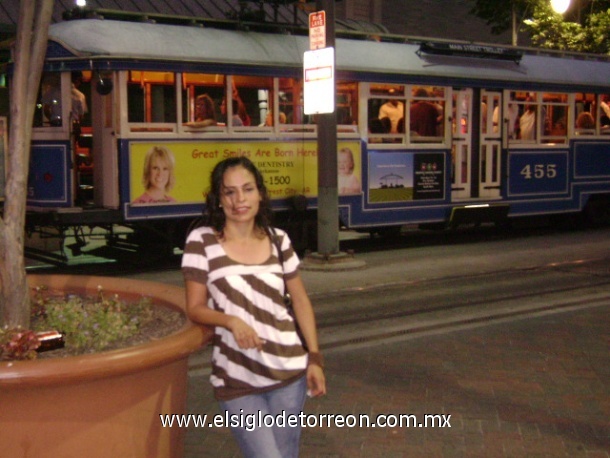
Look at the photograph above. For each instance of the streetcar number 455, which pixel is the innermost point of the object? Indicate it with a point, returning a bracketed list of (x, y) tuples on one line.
[(538, 171)]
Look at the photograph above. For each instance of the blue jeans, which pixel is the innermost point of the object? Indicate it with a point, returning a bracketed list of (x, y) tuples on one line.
[(267, 441)]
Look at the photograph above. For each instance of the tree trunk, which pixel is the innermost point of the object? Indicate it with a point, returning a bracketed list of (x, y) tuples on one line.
[(28, 58)]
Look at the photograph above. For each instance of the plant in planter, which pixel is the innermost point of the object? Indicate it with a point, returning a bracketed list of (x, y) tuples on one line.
[(18, 344), (69, 324), (104, 404)]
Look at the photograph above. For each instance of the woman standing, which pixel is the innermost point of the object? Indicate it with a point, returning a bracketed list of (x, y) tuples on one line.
[(260, 365)]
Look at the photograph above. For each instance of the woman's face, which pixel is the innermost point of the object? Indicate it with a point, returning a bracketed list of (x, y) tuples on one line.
[(159, 173), (239, 196), (345, 164), (201, 111)]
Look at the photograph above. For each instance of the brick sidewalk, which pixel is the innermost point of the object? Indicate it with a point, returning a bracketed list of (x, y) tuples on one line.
[(538, 387)]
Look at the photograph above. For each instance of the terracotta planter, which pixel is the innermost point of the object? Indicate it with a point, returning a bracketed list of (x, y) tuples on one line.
[(100, 405)]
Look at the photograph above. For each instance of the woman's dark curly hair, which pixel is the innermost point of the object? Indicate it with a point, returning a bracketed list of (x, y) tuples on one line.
[(214, 215)]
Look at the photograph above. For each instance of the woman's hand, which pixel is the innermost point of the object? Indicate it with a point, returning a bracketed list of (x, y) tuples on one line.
[(316, 382), (245, 336)]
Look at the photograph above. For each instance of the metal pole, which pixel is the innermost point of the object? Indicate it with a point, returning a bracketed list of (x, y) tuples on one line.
[(514, 24), (328, 197)]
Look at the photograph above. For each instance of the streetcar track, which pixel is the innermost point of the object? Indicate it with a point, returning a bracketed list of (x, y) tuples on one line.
[(398, 309), (560, 267), (447, 318), (440, 326), (378, 315), (465, 323), (468, 313)]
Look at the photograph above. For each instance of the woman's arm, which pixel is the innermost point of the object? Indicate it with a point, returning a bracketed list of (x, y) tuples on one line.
[(198, 311), (305, 317)]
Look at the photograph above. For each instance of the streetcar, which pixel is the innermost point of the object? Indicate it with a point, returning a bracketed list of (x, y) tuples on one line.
[(429, 132)]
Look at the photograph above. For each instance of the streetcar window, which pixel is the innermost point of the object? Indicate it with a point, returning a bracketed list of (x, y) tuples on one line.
[(291, 104), (554, 117), (426, 114), (202, 94), (584, 119), (604, 114), (84, 86), (390, 122), (535, 117), (461, 112), (254, 96), (267, 115), (524, 109), (49, 110), (347, 105), (251, 99), (49, 106), (135, 106), (151, 98), (378, 128), (386, 113), (265, 103)]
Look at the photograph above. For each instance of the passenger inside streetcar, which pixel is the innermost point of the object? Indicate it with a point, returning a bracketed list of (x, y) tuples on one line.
[(239, 108), (269, 119), (205, 111), (604, 118), (527, 121), (51, 99), (236, 120), (392, 110), (424, 115), (585, 124), (79, 101)]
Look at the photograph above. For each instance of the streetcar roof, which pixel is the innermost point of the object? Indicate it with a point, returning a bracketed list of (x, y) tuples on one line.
[(376, 61)]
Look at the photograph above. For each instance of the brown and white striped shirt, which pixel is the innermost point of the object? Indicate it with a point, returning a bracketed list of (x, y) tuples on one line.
[(254, 293)]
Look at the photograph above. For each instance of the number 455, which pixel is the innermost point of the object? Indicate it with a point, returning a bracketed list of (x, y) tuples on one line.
[(539, 171)]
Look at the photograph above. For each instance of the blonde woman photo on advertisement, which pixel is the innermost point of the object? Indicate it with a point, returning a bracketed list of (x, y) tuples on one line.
[(158, 177), (237, 268)]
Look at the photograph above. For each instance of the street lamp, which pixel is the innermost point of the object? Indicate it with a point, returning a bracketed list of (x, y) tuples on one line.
[(560, 6)]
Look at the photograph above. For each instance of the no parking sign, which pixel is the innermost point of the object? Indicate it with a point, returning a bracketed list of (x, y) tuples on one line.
[(319, 78)]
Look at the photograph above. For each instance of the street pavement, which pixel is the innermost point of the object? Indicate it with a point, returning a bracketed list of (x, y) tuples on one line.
[(528, 387), (531, 388)]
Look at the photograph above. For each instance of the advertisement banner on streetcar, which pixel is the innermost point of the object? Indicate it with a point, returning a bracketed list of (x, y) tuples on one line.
[(399, 177), (164, 173)]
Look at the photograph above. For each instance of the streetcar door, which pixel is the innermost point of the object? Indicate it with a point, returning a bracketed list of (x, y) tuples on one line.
[(105, 157), (490, 144), (461, 145)]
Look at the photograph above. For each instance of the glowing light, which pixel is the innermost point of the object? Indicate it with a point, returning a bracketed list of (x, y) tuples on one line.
[(560, 6), (81, 3)]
